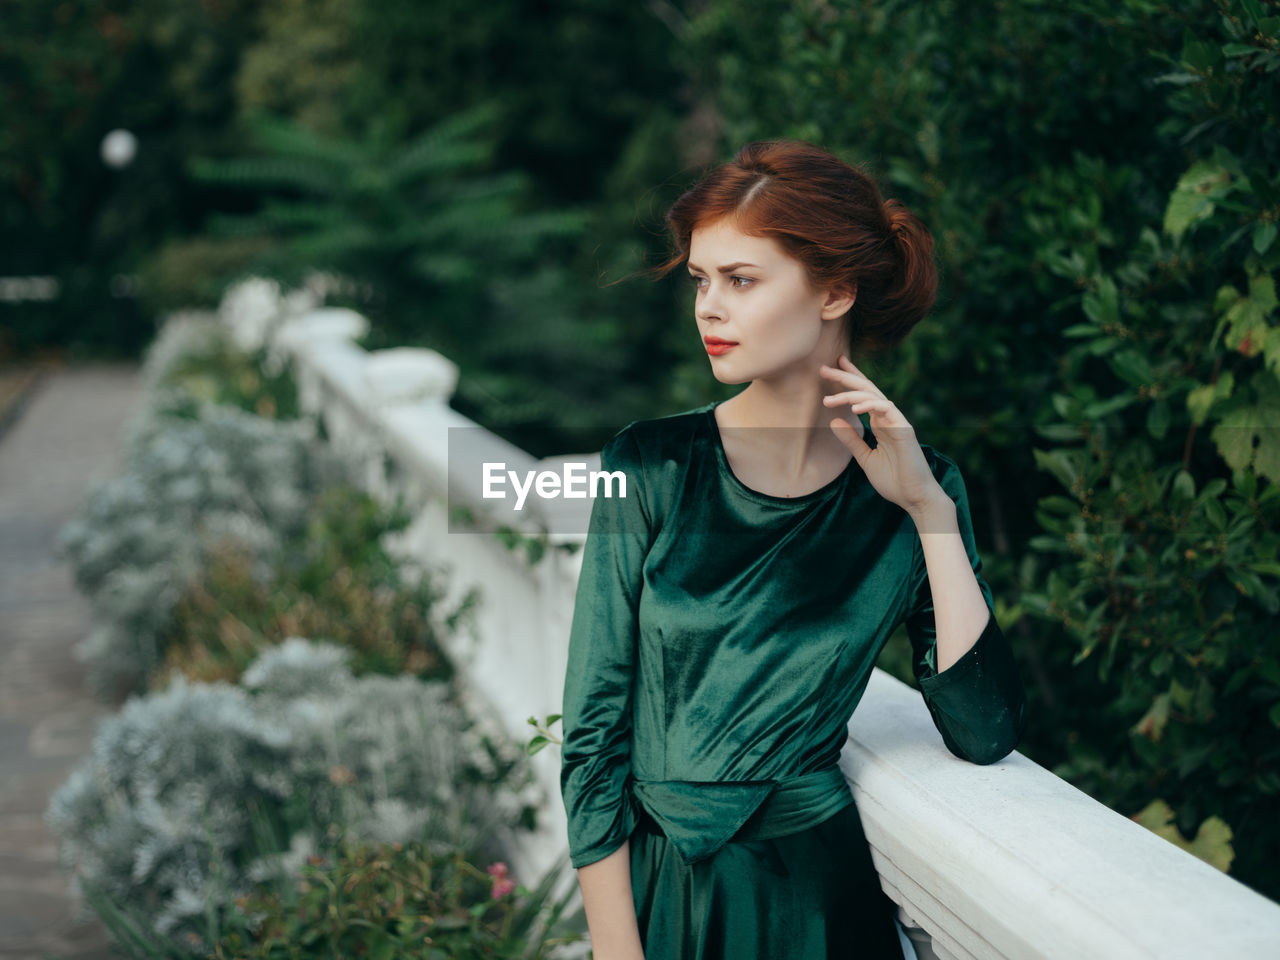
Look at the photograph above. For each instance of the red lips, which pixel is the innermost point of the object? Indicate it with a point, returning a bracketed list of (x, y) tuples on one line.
[(716, 346)]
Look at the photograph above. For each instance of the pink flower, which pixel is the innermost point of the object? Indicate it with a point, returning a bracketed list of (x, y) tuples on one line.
[(502, 883)]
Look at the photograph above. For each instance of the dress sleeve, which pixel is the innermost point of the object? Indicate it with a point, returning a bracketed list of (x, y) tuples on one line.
[(603, 639), (978, 703)]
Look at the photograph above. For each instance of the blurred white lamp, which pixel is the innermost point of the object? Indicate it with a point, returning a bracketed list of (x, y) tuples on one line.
[(119, 148)]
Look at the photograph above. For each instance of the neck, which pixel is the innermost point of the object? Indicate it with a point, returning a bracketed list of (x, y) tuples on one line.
[(796, 435)]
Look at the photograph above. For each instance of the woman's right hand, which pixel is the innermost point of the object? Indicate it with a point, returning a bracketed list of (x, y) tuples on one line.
[(610, 907)]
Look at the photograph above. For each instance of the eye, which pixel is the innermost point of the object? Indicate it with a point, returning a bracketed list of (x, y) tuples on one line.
[(696, 279), (744, 281)]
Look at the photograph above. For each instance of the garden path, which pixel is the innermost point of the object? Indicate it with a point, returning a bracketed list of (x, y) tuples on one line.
[(55, 438)]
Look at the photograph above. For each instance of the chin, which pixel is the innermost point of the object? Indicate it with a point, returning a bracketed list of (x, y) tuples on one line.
[(728, 377)]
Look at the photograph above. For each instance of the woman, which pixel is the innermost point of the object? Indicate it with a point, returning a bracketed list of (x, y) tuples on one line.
[(732, 604)]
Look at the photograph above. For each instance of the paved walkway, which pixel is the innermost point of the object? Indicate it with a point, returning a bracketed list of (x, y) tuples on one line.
[(64, 433)]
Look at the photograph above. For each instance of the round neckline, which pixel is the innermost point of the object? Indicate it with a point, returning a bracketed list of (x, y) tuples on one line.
[(723, 458)]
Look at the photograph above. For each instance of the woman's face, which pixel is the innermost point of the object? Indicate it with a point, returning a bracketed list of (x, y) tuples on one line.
[(752, 293)]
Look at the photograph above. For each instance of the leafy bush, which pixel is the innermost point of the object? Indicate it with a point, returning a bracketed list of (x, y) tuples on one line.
[(1165, 546), (138, 538), (402, 901), (193, 361), (336, 581), (194, 793)]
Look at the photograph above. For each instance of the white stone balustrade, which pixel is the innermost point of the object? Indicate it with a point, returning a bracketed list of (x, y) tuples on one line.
[(1000, 861)]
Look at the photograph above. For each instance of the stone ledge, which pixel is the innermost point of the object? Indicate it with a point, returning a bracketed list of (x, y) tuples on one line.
[(1009, 860)]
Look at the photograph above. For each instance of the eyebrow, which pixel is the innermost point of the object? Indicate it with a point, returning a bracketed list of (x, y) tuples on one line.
[(727, 268)]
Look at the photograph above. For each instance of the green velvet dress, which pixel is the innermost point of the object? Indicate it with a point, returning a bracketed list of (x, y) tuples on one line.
[(721, 639)]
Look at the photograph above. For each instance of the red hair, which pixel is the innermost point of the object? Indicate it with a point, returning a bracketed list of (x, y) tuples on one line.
[(831, 217)]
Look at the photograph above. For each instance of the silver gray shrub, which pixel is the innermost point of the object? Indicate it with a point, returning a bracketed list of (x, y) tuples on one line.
[(138, 538), (160, 818), (183, 335)]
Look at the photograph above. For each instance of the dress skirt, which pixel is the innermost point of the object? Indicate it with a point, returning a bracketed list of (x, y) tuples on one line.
[(811, 895)]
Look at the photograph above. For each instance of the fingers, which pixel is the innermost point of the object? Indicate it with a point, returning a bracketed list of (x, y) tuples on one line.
[(850, 374), (860, 400), (862, 406), (864, 401), (851, 396), (852, 438)]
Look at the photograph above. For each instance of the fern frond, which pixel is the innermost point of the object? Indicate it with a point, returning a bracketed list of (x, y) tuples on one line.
[(444, 267), (339, 242), (264, 172), (282, 213), (284, 139), (435, 158)]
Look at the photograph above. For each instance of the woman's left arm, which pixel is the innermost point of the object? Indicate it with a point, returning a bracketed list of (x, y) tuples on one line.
[(959, 609), (962, 660)]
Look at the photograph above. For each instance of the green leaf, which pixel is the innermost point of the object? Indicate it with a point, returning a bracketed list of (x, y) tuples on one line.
[(1213, 843), (1131, 366), (1103, 305), (1158, 419), (1061, 432), (1102, 408), (1058, 504), (1212, 489), (1216, 515), (1056, 462), (1262, 291), (1197, 54), (1264, 234), (1192, 198), (1238, 50), (1179, 78), (1253, 9), (1064, 405), (1184, 486), (1103, 344), (901, 173), (1048, 544), (1154, 720), (1201, 400), (1237, 433)]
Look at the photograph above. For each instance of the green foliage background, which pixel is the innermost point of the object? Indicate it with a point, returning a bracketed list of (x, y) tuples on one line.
[(1102, 182), (1103, 362)]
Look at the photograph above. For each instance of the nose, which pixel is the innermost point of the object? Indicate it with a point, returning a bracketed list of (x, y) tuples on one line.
[(707, 307)]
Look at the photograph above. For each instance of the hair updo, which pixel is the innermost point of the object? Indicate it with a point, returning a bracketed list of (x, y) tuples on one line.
[(832, 218)]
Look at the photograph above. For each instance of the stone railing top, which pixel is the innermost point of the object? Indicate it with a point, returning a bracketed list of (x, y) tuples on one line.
[(328, 323), (1009, 860), (409, 375)]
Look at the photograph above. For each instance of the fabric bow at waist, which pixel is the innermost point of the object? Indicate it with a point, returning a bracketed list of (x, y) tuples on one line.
[(700, 817)]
